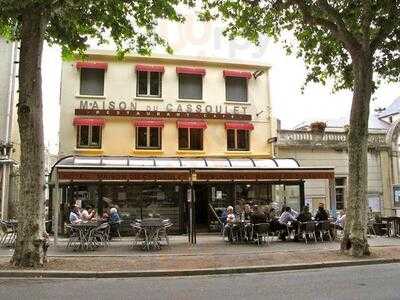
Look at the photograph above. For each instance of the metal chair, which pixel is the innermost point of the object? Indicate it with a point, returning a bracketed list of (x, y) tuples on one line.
[(370, 227), (74, 236), (9, 233), (324, 229), (307, 229), (163, 231), (261, 231), (99, 236)]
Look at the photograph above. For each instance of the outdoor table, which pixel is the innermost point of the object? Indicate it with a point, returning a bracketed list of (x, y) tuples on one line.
[(240, 227), (151, 228), (84, 230)]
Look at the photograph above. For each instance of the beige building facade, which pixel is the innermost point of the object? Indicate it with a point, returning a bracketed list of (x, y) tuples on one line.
[(179, 137)]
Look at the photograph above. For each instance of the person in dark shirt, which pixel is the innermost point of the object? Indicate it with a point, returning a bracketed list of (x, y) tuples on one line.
[(322, 214), (257, 216), (305, 215)]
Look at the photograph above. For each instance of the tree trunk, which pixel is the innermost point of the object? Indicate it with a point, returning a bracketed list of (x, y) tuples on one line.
[(355, 234), (29, 250)]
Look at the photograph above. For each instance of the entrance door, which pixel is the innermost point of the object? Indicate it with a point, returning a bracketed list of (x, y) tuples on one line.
[(201, 208)]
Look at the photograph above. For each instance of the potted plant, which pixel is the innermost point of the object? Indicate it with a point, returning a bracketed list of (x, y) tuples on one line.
[(318, 127)]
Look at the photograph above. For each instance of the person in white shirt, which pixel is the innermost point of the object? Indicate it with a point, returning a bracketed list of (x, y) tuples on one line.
[(230, 220), (74, 215), (341, 221)]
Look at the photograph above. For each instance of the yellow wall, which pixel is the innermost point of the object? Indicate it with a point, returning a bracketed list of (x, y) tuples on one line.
[(120, 85)]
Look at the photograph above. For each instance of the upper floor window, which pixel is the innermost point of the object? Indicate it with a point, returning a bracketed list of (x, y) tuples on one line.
[(190, 139), (190, 135), (236, 85), (89, 132), (238, 136), (89, 136), (149, 80), (91, 78), (238, 140), (149, 84), (190, 83), (148, 137)]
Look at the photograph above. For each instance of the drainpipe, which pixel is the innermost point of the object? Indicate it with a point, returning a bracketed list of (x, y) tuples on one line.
[(9, 118)]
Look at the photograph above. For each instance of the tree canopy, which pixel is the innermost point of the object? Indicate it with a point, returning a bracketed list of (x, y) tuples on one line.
[(327, 32), (130, 24)]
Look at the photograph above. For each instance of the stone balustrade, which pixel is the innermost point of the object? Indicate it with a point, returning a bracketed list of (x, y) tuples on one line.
[(328, 139)]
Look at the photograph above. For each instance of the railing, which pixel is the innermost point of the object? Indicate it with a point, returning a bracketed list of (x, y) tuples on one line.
[(327, 138)]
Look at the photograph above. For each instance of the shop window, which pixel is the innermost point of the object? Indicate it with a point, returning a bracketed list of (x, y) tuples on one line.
[(92, 82), (340, 183), (236, 89), (89, 136), (238, 140), (148, 137), (190, 139), (148, 84), (190, 86)]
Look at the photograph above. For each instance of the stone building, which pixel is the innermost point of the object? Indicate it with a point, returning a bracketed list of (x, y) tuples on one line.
[(329, 148)]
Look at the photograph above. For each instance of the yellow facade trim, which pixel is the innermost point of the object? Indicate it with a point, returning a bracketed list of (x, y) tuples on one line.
[(89, 152), (191, 152), (146, 152)]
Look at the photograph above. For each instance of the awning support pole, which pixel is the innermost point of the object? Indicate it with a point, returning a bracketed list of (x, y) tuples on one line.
[(56, 207)]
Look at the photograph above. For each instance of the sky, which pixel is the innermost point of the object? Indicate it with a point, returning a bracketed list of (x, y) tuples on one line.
[(193, 38)]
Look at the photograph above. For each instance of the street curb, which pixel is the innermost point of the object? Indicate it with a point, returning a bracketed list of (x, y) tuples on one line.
[(189, 272)]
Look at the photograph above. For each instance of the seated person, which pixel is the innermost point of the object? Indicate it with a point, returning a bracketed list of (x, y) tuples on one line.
[(247, 212), (230, 220), (106, 215), (305, 215), (283, 222), (114, 221), (341, 221), (74, 215), (322, 214), (88, 213), (257, 216)]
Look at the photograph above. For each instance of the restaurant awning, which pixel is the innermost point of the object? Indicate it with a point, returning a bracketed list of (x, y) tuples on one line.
[(150, 68), (192, 124), (242, 74), (91, 65), (88, 122), (192, 71), (149, 123), (239, 125), (128, 168)]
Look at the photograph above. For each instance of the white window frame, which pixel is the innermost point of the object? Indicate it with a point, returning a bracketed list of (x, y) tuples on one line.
[(148, 138), (236, 140), (90, 143), (148, 85), (88, 95)]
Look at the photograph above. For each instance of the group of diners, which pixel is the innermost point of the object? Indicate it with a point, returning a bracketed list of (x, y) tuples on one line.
[(288, 220), (86, 214)]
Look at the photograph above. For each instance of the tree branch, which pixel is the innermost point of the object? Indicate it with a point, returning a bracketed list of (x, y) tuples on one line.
[(387, 26), (350, 41)]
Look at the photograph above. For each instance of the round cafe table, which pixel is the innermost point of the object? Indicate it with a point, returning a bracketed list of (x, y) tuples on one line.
[(84, 229)]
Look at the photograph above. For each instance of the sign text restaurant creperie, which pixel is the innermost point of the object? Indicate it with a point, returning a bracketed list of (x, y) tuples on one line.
[(165, 110)]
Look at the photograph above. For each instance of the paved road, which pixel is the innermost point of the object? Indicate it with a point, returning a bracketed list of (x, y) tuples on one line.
[(367, 282)]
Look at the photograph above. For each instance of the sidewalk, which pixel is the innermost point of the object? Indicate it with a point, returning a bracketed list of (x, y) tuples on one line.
[(210, 255)]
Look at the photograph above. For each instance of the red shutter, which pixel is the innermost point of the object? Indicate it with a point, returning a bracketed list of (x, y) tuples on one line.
[(149, 68), (192, 71), (149, 123), (88, 122), (239, 125), (91, 65), (192, 124), (242, 74)]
